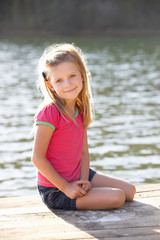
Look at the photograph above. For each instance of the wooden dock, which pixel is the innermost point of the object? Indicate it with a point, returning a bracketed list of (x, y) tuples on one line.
[(26, 218)]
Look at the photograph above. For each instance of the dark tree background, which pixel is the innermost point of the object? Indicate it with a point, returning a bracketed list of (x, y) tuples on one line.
[(76, 17)]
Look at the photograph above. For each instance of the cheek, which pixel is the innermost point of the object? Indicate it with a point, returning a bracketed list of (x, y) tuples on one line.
[(57, 89), (80, 82)]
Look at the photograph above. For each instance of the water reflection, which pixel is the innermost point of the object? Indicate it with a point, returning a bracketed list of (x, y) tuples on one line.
[(124, 138)]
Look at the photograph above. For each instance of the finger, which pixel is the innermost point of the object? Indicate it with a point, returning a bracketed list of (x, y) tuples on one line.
[(86, 186), (79, 182), (83, 186), (83, 192), (80, 195)]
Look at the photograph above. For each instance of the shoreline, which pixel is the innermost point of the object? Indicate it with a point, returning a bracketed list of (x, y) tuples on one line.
[(81, 33)]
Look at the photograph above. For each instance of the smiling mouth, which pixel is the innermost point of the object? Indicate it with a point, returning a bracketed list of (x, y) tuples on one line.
[(70, 90)]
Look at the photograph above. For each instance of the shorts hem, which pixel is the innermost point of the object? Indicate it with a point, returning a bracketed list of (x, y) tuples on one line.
[(53, 198)]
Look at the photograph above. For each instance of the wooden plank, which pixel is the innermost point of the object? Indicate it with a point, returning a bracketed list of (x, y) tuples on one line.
[(129, 233), (28, 218), (15, 202), (148, 188), (148, 194)]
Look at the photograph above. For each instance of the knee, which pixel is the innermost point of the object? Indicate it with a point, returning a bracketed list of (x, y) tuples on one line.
[(131, 193), (119, 199)]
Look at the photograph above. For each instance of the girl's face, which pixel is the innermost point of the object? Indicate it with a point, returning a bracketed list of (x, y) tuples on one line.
[(66, 80)]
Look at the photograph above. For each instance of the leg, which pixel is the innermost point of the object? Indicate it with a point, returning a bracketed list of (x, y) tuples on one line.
[(100, 180), (101, 198)]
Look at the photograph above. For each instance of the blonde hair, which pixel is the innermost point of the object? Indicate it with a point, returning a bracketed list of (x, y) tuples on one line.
[(54, 55)]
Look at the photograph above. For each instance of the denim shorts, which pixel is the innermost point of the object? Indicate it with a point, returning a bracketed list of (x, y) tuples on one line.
[(53, 198)]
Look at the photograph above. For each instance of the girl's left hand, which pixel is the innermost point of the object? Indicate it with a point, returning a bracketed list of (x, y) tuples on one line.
[(86, 186)]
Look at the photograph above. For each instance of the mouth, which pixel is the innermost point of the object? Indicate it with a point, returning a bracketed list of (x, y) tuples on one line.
[(70, 90)]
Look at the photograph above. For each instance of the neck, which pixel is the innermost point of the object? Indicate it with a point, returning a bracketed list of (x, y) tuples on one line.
[(71, 108)]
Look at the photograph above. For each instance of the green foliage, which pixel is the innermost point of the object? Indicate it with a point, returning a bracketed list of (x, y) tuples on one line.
[(74, 16)]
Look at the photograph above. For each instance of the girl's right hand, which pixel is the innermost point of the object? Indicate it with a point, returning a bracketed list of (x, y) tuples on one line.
[(74, 189)]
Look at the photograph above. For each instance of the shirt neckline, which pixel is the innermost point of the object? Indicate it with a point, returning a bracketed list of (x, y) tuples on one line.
[(76, 114)]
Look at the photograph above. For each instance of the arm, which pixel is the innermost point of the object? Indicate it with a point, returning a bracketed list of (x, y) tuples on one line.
[(42, 139), (85, 162)]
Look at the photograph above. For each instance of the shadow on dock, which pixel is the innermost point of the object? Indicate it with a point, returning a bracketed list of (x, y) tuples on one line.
[(136, 219)]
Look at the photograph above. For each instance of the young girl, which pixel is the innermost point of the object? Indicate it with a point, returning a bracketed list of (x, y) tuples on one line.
[(60, 152)]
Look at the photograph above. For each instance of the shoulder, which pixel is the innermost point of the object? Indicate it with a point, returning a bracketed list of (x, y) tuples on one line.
[(49, 114), (48, 110)]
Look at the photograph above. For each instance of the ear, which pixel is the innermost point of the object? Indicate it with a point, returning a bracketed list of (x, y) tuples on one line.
[(50, 85)]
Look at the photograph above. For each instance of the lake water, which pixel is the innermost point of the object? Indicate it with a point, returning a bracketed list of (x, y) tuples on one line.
[(124, 140)]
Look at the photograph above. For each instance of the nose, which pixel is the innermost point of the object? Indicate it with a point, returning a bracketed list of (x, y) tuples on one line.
[(68, 83)]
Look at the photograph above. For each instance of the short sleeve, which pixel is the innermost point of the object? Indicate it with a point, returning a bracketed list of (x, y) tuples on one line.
[(48, 116)]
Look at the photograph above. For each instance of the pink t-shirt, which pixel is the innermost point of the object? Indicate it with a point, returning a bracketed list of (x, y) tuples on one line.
[(65, 147)]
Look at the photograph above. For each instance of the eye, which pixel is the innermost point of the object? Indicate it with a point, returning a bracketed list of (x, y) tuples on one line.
[(73, 75), (58, 81)]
